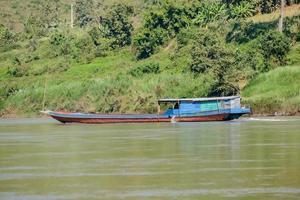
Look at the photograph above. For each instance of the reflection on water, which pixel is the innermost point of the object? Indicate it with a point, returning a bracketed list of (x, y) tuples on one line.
[(256, 158)]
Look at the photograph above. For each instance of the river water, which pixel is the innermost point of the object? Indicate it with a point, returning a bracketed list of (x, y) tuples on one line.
[(255, 158)]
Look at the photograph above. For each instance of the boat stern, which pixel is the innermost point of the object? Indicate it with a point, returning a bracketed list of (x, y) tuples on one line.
[(238, 112)]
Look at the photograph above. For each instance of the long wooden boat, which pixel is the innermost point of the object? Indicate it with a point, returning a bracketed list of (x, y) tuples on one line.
[(183, 110)]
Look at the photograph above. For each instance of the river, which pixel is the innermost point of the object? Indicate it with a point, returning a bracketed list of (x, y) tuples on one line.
[(255, 158)]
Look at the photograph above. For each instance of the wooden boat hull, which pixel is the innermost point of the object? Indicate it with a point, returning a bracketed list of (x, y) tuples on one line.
[(218, 117)]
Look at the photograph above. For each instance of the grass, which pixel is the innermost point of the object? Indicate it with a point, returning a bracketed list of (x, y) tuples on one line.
[(277, 91), (293, 56), (289, 11), (120, 94)]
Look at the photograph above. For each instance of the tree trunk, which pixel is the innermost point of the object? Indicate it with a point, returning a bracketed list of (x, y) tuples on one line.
[(72, 16), (280, 24)]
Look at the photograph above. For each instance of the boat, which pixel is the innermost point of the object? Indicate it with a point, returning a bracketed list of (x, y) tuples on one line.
[(180, 110)]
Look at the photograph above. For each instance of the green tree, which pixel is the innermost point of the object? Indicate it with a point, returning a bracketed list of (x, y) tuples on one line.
[(210, 54), (274, 46), (170, 16), (146, 41), (117, 26)]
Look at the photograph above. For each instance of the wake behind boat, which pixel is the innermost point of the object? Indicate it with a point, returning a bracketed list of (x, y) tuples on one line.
[(183, 110)]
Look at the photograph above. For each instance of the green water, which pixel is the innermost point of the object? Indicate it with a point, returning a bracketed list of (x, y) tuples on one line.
[(245, 159)]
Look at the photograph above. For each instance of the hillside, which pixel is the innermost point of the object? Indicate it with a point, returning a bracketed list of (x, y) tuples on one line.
[(138, 52)]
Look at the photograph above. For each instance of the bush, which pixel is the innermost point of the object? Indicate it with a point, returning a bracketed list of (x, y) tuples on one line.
[(148, 68), (250, 57), (102, 44), (186, 35), (292, 28), (147, 40), (20, 66), (7, 38), (85, 48), (63, 44), (275, 46)]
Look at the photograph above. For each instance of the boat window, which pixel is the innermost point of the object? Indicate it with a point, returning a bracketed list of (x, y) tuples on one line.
[(176, 106)]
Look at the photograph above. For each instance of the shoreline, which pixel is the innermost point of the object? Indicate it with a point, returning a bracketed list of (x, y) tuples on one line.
[(44, 116)]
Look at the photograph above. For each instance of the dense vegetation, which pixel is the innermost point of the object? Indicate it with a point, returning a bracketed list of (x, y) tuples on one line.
[(121, 56)]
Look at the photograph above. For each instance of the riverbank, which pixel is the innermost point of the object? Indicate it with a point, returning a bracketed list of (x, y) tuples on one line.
[(276, 92), (117, 79)]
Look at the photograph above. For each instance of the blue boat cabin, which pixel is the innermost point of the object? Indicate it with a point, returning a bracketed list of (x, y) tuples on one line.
[(201, 105)]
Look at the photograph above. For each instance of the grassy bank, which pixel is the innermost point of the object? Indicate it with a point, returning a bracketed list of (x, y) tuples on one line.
[(275, 92)]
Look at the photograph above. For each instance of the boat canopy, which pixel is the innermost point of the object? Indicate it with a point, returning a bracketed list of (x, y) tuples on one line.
[(197, 99)]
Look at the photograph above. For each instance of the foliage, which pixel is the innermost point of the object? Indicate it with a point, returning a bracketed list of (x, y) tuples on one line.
[(147, 40), (171, 17), (242, 10), (160, 24), (45, 19), (274, 47), (62, 43), (245, 31), (292, 28), (6, 36), (20, 66), (293, 57), (33, 26), (267, 6), (101, 43), (148, 68), (211, 55), (79, 47), (85, 48), (84, 12), (268, 48), (209, 12), (49, 14), (262, 6), (186, 35), (116, 25), (251, 58)]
